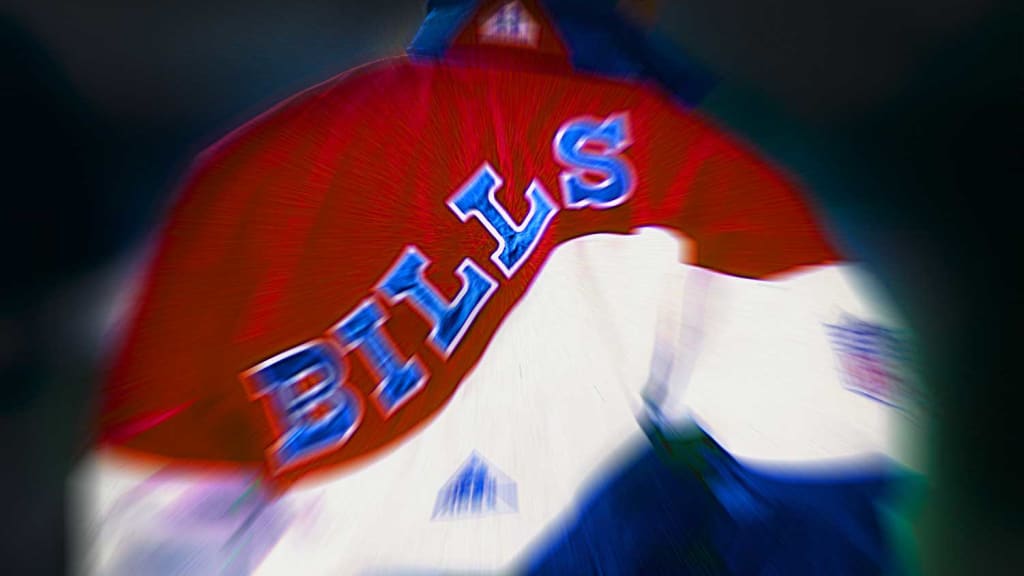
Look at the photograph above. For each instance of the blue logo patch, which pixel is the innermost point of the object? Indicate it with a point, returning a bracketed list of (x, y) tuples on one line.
[(476, 489), (872, 360)]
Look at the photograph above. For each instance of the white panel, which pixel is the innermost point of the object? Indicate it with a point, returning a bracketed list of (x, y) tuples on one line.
[(547, 404), (765, 382), (552, 404)]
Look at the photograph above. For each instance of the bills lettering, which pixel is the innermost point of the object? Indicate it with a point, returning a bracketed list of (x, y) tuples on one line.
[(311, 407)]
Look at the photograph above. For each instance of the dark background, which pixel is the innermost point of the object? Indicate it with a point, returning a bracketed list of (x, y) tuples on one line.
[(904, 119)]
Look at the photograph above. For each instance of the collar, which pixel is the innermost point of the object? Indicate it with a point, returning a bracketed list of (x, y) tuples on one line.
[(557, 35)]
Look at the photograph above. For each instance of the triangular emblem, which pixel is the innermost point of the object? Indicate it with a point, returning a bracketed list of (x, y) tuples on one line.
[(476, 489), (511, 24)]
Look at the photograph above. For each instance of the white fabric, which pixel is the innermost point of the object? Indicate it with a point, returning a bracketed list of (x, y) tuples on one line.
[(553, 404), (755, 368)]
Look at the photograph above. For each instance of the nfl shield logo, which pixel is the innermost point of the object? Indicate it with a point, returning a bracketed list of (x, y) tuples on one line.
[(871, 360)]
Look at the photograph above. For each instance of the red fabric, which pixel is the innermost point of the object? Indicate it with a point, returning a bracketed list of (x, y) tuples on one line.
[(290, 222)]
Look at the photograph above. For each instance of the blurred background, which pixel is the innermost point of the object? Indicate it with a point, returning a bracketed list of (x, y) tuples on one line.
[(902, 117)]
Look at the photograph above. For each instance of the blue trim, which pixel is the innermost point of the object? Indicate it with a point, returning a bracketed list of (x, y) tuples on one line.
[(599, 41), (442, 24), (705, 513)]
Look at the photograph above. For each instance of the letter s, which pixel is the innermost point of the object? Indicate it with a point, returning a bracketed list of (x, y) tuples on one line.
[(619, 179)]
